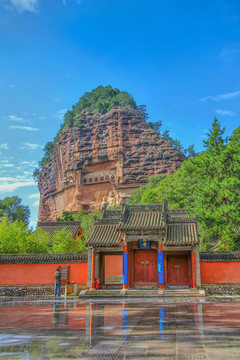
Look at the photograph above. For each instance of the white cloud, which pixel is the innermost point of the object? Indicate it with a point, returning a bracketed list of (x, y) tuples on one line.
[(12, 86), (225, 112), (60, 114), (4, 146), (24, 5), (36, 203), (28, 128), (7, 179), (12, 183), (34, 196), (221, 96), (30, 146), (66, 1), (15, 118), (29, 163), (6, 166), (229, 52), (8, 187)]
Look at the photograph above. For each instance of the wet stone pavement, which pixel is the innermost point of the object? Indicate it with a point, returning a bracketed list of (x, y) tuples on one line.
[(120, 330)]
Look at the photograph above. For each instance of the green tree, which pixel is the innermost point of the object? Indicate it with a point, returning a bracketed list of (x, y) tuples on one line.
[(142, 109), (215, 141), (68, 118), (103, 99), (190, 151), (86, 219), (114, 207), (63, 242), (13, 236), (39, 242), (208, 185), (87, 222), (12, 208), (66, 216), (139, 196), (218, 199), (156, 126)]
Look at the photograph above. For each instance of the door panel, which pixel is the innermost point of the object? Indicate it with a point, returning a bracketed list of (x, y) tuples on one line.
[(145, 268), (177, 270)]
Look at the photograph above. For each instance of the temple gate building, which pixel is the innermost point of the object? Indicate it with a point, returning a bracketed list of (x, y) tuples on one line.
[(144, 246)]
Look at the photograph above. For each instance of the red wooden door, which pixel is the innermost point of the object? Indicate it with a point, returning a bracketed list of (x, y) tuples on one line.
[(177, 270), (145, 268)]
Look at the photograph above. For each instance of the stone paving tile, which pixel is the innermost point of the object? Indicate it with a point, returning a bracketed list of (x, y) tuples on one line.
[(121, 330)]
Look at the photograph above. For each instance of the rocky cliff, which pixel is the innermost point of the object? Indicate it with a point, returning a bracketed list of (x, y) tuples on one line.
[(103, 162)]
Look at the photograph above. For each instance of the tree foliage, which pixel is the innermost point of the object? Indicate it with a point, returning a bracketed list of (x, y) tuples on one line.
[(48, 150), (87, 221), (102, 99), (13, 236), (164, 134), (66, 216), (208, 185), (63, 242), (142, 109), (12, 208)]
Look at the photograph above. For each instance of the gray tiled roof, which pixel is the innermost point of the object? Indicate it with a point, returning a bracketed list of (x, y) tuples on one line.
[(104, 235), (42, 258), (142, 217), (105, 230), (181, 228), (52, 226), (181, 234)]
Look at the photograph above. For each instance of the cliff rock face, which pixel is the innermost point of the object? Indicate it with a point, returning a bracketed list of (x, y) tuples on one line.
[(103, 162)]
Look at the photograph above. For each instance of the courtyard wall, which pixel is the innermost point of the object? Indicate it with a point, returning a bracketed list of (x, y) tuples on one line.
[(33, 274)]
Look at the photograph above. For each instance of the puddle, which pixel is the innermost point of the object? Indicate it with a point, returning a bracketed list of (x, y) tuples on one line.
[(79, 329)]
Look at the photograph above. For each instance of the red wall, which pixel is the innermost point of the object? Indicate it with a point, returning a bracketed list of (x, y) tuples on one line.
[(42, 274), (39, 274), (220, 272), (113, 265)]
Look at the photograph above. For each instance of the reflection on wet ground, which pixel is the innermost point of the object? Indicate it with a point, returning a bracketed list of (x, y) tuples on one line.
[(120, 330)]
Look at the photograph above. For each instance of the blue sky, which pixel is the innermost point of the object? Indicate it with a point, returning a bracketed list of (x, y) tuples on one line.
[(179, 57)]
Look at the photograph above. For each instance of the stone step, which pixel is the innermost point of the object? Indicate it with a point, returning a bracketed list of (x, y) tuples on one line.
[(183, 293), (142, 293)]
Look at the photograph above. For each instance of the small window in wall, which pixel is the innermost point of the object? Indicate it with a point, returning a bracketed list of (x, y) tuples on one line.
[(96, 179), (86, 207), (101, 178), (84, 180), (112, 177), (90, 179), (107, 177)]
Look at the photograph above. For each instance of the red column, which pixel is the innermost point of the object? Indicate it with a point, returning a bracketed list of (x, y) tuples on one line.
[(194, 273), (93, 271)]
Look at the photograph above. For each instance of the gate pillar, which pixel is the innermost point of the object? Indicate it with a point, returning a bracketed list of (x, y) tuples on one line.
[(125, 264), (160, 264)]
